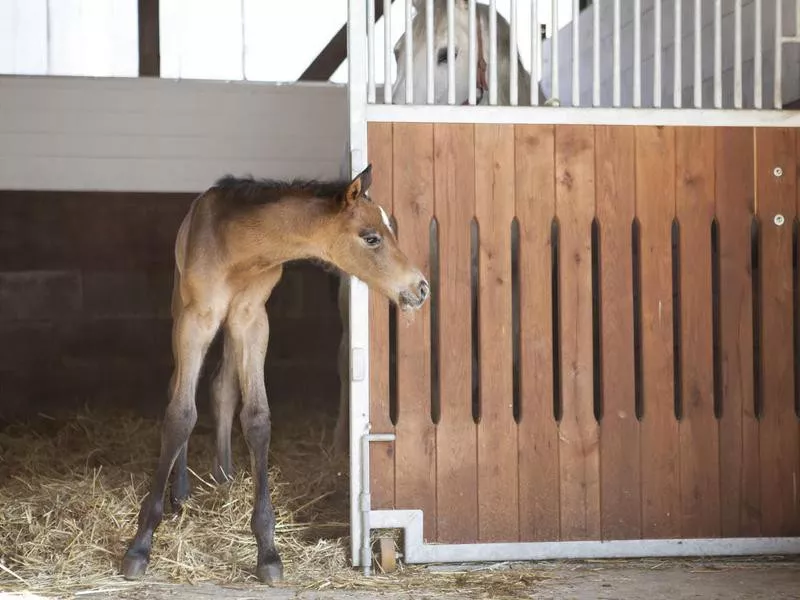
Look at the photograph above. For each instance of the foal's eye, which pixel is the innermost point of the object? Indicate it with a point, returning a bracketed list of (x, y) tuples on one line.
[(371, 239)]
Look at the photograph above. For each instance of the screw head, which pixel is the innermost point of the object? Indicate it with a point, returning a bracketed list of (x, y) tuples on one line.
[(777, 171), (778, 220)]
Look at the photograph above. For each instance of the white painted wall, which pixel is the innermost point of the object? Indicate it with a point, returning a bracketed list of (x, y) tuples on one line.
[(71, 133), (791, 53)]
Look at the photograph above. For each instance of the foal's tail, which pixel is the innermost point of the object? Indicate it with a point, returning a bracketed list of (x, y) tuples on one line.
[(181, 241)]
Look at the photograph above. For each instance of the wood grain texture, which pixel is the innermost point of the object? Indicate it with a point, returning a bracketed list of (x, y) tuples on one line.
[(777, 195), (456, 441), (740, 495), (619, 429), (537, 429), (655, 209), (498, 515), (698, 428), (379, 139), (579, 451), (415, 462)]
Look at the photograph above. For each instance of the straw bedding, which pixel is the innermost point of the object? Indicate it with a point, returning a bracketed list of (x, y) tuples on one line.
[(70, 489)]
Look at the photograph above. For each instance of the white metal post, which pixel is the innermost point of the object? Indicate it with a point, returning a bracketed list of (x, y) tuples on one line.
[(359, 294)]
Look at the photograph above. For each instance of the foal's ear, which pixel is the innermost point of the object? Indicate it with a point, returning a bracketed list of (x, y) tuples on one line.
[(359, 186)]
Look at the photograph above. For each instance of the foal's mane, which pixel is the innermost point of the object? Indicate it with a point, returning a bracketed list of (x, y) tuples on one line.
[(251, 191)]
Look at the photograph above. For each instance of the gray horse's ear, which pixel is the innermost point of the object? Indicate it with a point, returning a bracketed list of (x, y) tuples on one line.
[(358, 187)]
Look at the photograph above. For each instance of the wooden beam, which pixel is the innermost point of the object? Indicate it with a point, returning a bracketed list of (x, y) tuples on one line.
[(333, 54), (149, 40)]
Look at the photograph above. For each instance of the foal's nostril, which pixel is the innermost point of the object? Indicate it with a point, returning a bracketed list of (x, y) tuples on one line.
[(424, 289)]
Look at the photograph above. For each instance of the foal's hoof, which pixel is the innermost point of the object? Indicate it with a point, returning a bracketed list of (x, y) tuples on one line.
[(270, 573), (134, 566), (221, 477)]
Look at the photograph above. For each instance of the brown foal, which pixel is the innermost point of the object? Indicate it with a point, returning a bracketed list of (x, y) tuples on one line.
[(229, 255)]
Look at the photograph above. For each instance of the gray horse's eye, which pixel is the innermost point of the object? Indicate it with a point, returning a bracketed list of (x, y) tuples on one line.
[(441, 57)]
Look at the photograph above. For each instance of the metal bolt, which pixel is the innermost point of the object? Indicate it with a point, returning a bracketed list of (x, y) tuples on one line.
[(778, 220), (777, 171)]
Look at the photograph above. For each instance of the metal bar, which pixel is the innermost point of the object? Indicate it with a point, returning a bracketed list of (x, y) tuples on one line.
[(717, 53), (536, 53), (698, 53), (777, 91), (409, 54), (365, 497), (583, 116), (554, 93), (596, 53), (429, 55), (797, 19), (416, 551), (513, 88), (358, 305), (637, 53), (677, 62), (576, 53), (473, 53), (492, 51), (737, 54), (387, 51), (451, 52), (657, 54), (371, 51), (617, 78), (758, 76)]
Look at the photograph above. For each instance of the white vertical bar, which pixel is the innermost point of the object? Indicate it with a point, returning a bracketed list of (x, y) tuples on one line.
[(576, 53), (657, 55), (737, 55), (717, 53), (492, 51), (757, 60), (617, 95), (358, 293), (451, 52), (536, 52), (429, 50), (473, 53), (409, 55), (370, 51), (698, 54), (777, 102), (797, 18), (596, 53), (512, 56), (677, 79), (637, 53), (554, 50), (387, 52)]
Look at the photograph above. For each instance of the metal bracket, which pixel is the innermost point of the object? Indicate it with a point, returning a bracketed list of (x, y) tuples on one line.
[(365, 499)]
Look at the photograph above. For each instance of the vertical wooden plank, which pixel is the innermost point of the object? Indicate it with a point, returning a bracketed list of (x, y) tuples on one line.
[(538, 430), (740, 495), (579, 455), (698, 427), (379, 148), (149, 39), (498, 517), (775, 198), (415, 460), (456, 450), (619, 428), (655, 209)]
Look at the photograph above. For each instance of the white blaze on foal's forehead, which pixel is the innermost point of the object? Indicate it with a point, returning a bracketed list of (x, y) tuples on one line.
[(386, 220)]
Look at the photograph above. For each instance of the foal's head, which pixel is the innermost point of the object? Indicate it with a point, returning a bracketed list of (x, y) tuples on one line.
[(361, 242)]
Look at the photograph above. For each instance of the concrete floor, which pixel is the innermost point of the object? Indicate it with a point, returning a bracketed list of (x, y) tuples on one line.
[(629, 580)]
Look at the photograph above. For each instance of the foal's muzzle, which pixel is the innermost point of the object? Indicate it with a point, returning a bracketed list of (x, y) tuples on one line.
[(415, 296)]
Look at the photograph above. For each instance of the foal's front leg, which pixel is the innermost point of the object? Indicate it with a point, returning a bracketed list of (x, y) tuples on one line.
[(248, 328), (192, 334)]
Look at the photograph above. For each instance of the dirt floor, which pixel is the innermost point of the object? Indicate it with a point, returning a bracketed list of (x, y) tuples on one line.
[(776, 579)]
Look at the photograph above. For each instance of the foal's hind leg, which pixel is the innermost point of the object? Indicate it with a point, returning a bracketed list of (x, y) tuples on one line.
[(193, 331), (224, 399), (248, 329)]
